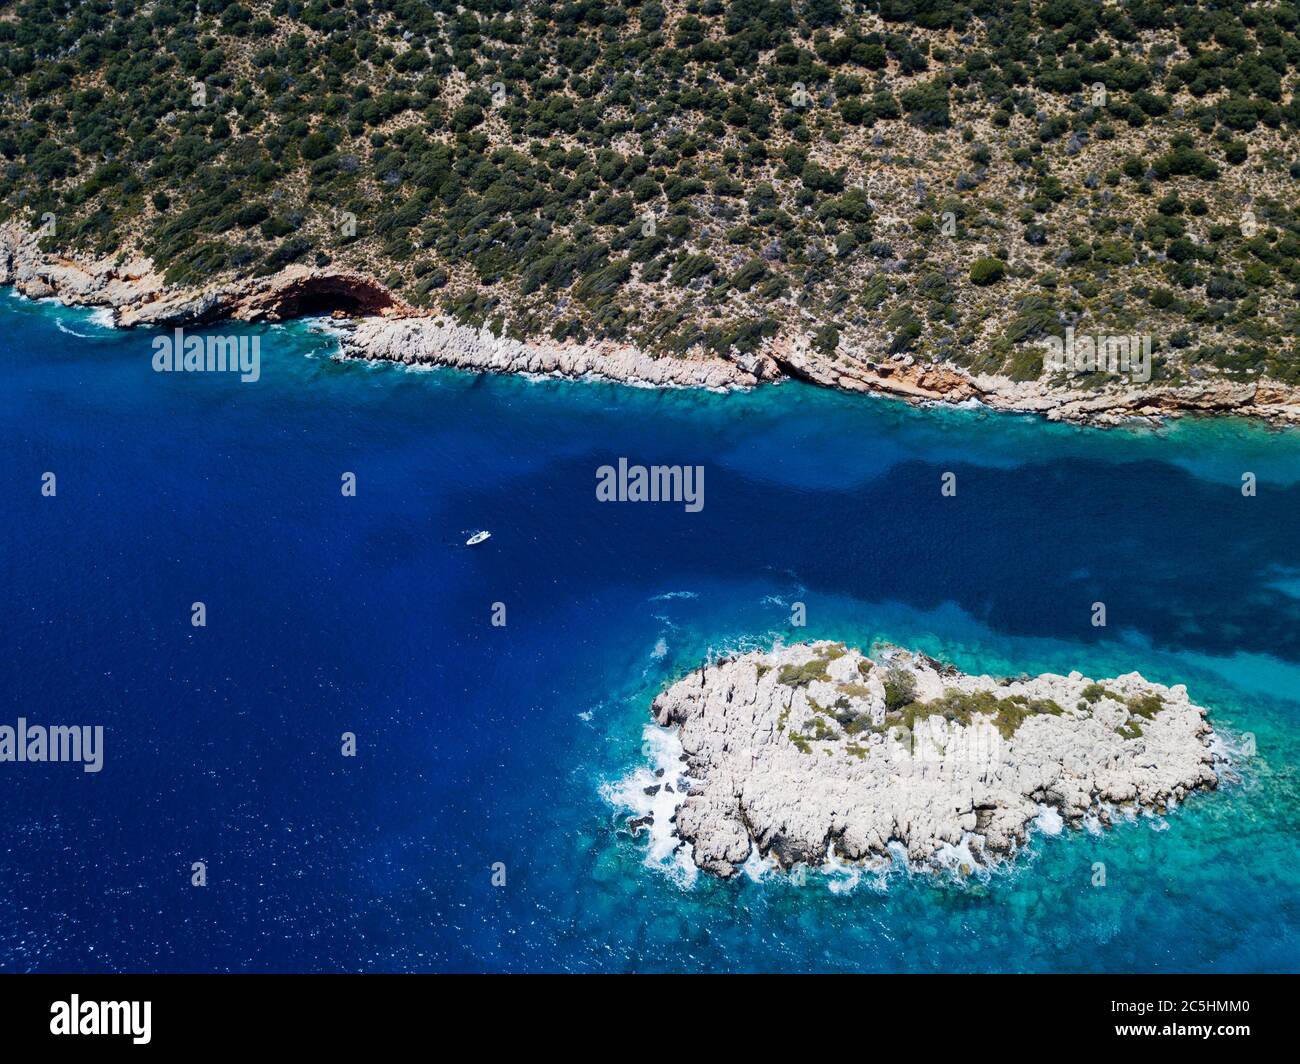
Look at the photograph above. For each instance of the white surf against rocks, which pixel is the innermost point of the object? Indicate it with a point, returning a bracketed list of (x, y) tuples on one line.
[(817, 755)]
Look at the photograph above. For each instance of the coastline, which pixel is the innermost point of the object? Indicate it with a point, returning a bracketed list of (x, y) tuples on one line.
[(591, 702), (378, 325), (815, 753)]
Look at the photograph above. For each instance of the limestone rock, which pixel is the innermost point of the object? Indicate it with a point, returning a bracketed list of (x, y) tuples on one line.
[(430, 341), (387, 328), (814, 749)]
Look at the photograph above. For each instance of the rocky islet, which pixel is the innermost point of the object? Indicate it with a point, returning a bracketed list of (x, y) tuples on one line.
[(816, 752)]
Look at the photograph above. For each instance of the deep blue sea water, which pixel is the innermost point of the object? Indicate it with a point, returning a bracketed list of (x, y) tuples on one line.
[(480, 745)]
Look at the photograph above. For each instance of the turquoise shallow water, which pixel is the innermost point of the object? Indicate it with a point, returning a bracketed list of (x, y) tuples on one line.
[(481, 745)]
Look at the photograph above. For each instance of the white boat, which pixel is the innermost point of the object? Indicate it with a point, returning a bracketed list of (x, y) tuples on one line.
[(477, 537)]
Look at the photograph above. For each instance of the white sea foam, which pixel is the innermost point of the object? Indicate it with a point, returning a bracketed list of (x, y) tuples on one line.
[(71, 332), (744, 644), (674, 595), (662, 773), (326, 327), (1048, 821), (634, 382), (1231, 754), (840, 878), (660, 650), (959, 860), (898, 852), (757, 867)]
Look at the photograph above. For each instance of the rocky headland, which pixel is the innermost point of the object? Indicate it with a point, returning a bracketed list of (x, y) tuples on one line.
[(378, 324), (138, 296), (815, 752)]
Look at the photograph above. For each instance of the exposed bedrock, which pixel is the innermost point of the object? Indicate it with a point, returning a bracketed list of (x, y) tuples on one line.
[(430, 341), (139, 296), (389, 329), (815, 750)]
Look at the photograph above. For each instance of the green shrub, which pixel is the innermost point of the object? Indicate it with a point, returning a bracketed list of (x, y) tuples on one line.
[(986, 271), (900, 688)]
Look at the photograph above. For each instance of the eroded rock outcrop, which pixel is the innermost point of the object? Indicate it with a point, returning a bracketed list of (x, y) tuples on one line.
[(1114, 403), (430, 341), (388, 329), (138, 296), (815, 750)]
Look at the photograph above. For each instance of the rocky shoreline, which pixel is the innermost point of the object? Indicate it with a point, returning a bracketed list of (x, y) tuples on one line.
[(904, 378), (379, 325), (435, 342), (815, 753), (139, 296)]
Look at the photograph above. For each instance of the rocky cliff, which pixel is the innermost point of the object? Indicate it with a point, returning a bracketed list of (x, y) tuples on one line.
[(384, 327), (429, 341), (903, 377), (816, 751), (138, 296)]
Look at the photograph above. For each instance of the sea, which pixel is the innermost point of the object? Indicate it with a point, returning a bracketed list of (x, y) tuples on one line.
[(348, 766)]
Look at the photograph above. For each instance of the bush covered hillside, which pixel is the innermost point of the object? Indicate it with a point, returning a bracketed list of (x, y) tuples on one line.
[(943, 179)]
